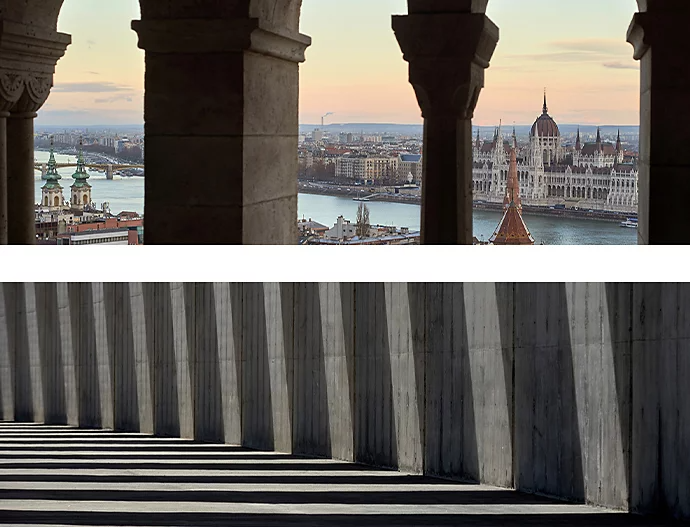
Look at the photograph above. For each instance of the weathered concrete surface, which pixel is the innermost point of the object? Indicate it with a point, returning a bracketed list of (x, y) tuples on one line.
[(7, 369), (661, 406), (53, 475), (571, 390)]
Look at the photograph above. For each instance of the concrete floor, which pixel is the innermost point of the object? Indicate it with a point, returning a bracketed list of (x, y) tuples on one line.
[(56, 475)]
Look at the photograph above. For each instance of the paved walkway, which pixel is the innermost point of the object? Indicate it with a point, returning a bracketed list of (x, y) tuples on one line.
[(56, 475)]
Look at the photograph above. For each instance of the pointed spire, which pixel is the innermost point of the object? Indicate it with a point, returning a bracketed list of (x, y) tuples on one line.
[(52, 173), (81, 175), (599, 149), (513, 184), (545, 110), (514, 138), (512, 229), (478, 141), (619, 146), (52, 176), (578, 143)]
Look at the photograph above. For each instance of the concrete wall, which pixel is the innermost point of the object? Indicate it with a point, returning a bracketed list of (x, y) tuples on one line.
[(572, 390)]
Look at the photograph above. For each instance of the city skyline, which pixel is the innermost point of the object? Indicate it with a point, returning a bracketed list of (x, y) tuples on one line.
[(355, 69)]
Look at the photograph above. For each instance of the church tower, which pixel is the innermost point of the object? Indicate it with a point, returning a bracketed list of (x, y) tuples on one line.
[(81, 189), (512, 229), (51, 192)]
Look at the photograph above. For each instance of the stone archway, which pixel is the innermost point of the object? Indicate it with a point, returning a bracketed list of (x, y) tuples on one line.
[(221, 99)]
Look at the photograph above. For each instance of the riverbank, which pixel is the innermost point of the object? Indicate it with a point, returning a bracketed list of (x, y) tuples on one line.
[(324, 189), (96, 158)]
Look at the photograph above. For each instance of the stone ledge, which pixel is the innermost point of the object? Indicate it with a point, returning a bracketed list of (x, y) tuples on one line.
[(213, 36)]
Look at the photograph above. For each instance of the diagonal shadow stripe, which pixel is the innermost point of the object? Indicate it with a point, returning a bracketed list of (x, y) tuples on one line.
[(152, 456), (50, 344), (390, 478), (16, 517), (121, 342), (465, 497), (311, 426), (218, 465), (257, 407)]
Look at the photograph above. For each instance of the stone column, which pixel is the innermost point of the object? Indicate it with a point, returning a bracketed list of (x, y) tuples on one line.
[(20, 179), (221, 111), (3, 177), (658, 35), (448, 50), (28, 55)]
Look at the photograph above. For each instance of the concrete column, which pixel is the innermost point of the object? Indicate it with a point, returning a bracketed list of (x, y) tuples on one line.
[(448, 52), (221, 109), (659, 37), (3, 177), (20, 179)]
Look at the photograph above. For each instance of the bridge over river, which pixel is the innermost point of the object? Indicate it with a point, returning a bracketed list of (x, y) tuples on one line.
[(109, 169)]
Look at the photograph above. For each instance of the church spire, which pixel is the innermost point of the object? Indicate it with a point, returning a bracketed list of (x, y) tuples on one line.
[(52, 173), (512, 185), (545, 110), (598, 139), (515, 145), (578, 143), (512, 229), (619, 146), (478, 141), (81, 174)]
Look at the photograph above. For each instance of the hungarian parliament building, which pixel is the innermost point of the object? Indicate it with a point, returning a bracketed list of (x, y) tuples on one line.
[(592, 176)]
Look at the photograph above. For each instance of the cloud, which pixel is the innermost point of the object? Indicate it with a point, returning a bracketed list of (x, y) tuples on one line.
[(90, 87), (620, 66), (609, 51), (591, 45), (92, 72), (122, 97)]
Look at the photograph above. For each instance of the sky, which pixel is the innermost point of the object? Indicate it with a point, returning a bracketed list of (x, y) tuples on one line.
[(354, 68)]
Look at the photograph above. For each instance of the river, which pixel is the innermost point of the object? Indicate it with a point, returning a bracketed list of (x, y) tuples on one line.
[(128, 194)]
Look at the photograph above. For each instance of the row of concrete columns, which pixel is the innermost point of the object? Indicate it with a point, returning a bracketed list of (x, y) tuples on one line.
[(221, 112), (572, 390)]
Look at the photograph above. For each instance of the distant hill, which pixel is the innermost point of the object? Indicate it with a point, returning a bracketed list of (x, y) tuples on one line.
[(366, 128), (418, 129), (137, 128)]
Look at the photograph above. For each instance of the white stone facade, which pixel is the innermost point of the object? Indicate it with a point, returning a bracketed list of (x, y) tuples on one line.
[(548, 176)]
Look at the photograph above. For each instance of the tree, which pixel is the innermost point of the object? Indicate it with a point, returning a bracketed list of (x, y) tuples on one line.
[(362, 223)]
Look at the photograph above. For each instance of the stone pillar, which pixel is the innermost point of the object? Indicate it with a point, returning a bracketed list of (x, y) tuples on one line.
[(3, 177), (28, 55), (661, 45), (448, 49), (221, 108), (20, 179)]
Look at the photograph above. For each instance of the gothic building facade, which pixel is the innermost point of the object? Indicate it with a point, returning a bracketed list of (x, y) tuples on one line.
[(588, 176)]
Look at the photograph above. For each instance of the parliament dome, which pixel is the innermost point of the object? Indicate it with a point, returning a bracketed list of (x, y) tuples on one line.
[(545, 124)]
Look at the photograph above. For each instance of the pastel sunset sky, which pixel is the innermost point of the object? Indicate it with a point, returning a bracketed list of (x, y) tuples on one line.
[(577, 50)]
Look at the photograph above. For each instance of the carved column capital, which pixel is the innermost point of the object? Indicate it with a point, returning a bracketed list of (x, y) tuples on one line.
[(28, 56), (214, 36), (23, 93), (448, 54)]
